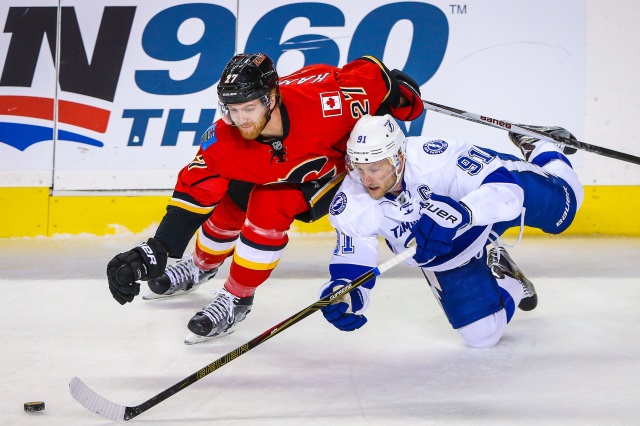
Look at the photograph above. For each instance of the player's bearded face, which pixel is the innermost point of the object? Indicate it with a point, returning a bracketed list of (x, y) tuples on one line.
[(378, 178), (249, 117)]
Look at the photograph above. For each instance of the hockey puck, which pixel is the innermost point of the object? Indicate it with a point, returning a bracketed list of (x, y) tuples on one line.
[(34, 406)]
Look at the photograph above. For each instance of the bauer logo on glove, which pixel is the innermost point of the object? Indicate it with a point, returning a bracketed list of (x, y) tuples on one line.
[(442, 218), (149, 252), (442, 213)]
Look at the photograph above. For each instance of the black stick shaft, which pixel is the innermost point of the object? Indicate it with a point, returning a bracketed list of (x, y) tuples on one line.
[(131, 412), (524, 130)]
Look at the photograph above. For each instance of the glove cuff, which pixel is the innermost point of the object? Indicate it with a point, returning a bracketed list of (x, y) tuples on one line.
[(409, 89), (469, 212), (154, 257)]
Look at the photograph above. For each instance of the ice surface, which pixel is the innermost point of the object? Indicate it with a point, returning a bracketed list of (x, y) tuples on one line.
[(575, 360)]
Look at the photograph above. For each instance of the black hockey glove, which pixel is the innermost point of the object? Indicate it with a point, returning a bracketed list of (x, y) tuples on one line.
[(147, 260), (410, 90)]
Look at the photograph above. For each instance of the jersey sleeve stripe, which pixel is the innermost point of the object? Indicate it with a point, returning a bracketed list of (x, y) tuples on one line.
[(383, 69), (335, 181), (190, 207), (500, 175)]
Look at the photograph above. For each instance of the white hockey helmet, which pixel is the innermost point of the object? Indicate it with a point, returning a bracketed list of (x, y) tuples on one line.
[(375, 138)]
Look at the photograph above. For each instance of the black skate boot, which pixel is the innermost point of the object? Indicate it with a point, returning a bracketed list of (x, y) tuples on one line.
[(219, 318), (501, 264), (527, 143), (181, 278)]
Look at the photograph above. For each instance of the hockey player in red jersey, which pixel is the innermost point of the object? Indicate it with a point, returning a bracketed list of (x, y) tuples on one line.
[(277, 154)]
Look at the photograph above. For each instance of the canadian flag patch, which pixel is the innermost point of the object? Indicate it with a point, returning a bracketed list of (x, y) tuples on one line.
[(331, 104)]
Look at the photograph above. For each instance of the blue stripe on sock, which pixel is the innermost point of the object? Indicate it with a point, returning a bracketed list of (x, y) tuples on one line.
[(509, 304), (549, 156)]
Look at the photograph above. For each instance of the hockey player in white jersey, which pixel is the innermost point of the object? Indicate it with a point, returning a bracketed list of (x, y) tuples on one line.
[(455, 199)]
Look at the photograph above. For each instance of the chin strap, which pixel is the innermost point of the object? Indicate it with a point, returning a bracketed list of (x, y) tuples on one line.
[(398, 174), (226, 116)]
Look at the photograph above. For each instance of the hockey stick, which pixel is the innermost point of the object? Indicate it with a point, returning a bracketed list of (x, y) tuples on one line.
[(527, 131), (102, 406)]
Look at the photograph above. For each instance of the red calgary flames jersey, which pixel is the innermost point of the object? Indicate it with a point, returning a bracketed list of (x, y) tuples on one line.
[(320, 106)]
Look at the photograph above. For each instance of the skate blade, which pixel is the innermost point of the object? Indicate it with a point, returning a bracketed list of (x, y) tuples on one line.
[(528, 303), (194, 339), (150, 295)]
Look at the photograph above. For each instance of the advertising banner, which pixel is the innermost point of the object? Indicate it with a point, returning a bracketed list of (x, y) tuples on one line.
[(114, 95)]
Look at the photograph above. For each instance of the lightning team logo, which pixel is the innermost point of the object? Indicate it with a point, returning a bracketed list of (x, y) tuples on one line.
[(338, 204), (435, 147)]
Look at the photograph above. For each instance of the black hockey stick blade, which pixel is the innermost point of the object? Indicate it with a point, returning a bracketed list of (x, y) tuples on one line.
[(90, 400), (528, 131)]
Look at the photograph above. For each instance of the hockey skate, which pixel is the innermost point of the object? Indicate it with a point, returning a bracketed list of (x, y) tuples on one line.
[(219, 318), (181, 278), (527, 143), (501, 264)]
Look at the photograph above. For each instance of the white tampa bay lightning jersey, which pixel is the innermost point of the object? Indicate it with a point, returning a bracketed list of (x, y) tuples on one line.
[(463, 172)]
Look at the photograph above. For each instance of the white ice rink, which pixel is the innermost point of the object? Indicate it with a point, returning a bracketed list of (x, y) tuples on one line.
[(575, 360)]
